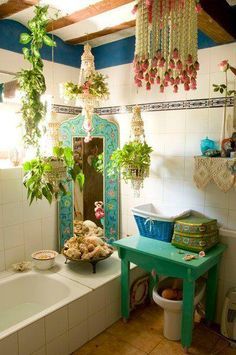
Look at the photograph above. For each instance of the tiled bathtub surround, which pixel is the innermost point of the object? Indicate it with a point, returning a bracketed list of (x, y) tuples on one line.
[(23, 228), (69, 327)]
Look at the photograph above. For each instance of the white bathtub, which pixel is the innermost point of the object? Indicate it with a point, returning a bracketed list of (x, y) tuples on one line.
[(27, 297)]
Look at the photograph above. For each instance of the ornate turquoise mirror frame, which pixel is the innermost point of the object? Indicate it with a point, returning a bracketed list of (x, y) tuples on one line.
[(108, 131)]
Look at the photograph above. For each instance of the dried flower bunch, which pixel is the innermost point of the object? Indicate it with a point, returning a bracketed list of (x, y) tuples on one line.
[(94, 85), (166, 43)]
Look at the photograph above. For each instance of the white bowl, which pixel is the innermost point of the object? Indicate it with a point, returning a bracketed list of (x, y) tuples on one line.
[(44, 259)]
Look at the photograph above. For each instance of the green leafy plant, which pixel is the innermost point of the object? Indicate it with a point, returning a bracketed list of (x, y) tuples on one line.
[(98, 163), (31, 81), (95, 85), (132, 160), (41, 180)]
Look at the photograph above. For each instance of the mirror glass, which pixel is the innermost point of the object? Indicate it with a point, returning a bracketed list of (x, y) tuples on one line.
[(87, 156)]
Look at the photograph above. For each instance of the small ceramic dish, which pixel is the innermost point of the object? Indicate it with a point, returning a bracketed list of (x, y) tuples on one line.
[(44, 259)]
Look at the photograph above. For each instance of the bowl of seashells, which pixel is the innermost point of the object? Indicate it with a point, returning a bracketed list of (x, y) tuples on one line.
[(86, 245)]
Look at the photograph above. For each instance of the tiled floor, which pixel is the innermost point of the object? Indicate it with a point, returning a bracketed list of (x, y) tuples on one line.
[(143, 335)]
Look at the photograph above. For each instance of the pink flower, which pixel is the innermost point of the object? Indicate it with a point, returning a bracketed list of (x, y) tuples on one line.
[(145, 65), (190, 59), (152, 73), (134, 10), (140, 75), (198, 8), (175, 90), (158, 54), (146, 77), (186, 87), (172, 64), (196, 65), (175, 53), (193, 86), (167, 76), (148, 86), (224, 65), (148, 3), (179, 65), (158, 80), (154, 62), (177, 80), (139, 83), (172, 80), (162, 62), (137, 67), (152, 80)]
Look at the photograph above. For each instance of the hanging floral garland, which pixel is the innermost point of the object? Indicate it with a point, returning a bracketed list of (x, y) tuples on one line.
[(166, 43)]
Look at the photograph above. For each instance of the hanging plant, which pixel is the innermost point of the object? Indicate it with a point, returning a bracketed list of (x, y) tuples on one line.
[(48, 176), (31, 81), (45, 177), (94, 85), (133, 161)]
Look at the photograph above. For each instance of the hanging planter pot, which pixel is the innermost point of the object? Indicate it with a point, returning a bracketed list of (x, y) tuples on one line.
[(46, 177), (58, 170), (133, 161)]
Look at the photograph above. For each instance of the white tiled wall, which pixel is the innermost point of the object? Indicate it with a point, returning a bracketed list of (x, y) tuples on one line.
[(23, 228), (175, 137)]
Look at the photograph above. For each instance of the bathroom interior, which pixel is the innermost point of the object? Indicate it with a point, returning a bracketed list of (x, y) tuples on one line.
[(117, 177)]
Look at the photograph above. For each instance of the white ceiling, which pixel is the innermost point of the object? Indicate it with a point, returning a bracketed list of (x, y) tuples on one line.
[(93, 24), (231, 2)]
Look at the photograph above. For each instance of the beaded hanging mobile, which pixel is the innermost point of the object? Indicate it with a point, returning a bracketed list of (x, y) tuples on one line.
[(166, 43)]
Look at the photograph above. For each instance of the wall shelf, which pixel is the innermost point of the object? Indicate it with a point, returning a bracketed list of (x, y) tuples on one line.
[(222, 171)]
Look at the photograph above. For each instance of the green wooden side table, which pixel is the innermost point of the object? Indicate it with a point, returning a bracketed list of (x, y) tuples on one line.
[(161, 258)]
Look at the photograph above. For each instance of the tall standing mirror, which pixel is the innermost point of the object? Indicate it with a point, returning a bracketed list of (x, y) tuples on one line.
[(92, 157)]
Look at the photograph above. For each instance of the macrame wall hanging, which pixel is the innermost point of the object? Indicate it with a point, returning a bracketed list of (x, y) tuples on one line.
[(166, 43)]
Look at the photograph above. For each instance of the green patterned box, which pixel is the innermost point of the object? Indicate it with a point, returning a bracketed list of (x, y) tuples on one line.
[(195, 233)]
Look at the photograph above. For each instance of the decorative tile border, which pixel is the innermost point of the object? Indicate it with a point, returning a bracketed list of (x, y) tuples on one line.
[(151, 107)]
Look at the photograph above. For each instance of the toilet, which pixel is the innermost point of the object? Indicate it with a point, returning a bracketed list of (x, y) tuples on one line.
[(173, 309)]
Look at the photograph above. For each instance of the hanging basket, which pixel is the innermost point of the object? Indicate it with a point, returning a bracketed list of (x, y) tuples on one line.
[(136, 177), (58, 172)]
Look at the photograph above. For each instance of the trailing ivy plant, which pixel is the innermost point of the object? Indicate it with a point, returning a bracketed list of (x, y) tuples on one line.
[(31, 81), (36, 179), (133, 158)]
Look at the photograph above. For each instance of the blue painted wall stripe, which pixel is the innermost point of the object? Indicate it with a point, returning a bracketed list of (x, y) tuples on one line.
[(63, 53), (107, 55)]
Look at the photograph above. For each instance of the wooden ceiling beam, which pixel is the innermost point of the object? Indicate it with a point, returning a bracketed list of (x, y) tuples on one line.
[(13, 6), (101, 33), (222, 13), (213, 29), (85, 13), (205, 23)]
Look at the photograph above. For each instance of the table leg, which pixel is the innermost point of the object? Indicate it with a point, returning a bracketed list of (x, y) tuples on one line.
[(125, 292), (211, 293), (187, 313)]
